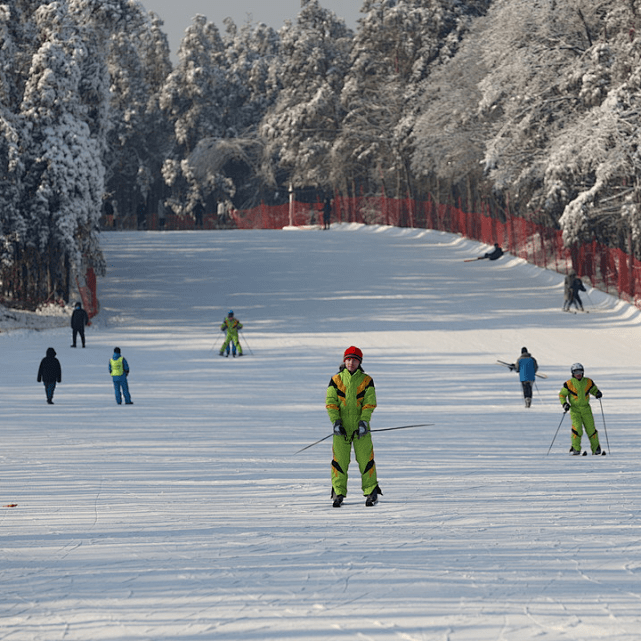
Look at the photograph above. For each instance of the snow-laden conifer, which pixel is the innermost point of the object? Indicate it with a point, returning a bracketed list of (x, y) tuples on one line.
[(301, 128)]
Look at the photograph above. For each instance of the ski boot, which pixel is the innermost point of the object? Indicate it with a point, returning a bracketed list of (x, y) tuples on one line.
[(372, 498)]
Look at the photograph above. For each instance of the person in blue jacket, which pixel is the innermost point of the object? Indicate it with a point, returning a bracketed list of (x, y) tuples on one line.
[(119, 370), (526, 366)]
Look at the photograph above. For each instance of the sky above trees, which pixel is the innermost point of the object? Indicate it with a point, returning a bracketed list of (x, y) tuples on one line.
[(177, 16)]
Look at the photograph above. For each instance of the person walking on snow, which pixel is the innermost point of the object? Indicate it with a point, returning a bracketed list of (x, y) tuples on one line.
[(119, 370), (50, 373), (575, 398), (231, 325), (350, 401), (526, 367), (79, 319)]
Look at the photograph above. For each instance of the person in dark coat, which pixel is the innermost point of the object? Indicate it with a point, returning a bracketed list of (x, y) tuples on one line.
[(495, 254), (577, 286), (573, 285), (50, 373), (327, 213), (79, 319)]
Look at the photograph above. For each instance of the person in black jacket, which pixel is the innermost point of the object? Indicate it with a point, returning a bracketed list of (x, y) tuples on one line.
[(50, 373), (79, 319), (577, 286), (495, 254)]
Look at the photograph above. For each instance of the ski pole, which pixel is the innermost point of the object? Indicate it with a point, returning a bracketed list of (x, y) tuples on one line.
[(536, 387), (246, 343), (403, 427), (315, 443), (557, 431), (380, 429), (604, 428)]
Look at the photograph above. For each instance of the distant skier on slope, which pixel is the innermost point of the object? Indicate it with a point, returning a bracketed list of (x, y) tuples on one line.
[(572, 286), (495, 254), (231, 325), (575, 398), (526, 367), (350, 401)]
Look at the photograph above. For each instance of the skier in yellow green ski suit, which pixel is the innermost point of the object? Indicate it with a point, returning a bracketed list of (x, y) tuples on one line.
[(575, 397), (350, 401), (231, 325)]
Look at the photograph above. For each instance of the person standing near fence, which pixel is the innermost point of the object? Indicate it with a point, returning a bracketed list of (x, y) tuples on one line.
[(79, 319), (572, 286), (327, 213)]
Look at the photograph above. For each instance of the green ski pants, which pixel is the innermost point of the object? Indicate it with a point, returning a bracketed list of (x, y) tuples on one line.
[(231, 338), (364, 452), (582, 416)]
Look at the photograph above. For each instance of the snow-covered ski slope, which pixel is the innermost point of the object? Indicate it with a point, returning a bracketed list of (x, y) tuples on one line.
[(187, 515)]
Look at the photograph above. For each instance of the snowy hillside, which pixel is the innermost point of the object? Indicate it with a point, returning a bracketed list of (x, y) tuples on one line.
[(189, 516)]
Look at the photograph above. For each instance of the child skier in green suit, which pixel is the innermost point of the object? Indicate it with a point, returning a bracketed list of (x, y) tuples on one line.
[(575, 397), (350, 401), (231, 325)]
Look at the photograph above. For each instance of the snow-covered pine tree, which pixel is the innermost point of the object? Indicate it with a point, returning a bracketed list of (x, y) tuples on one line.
[(194, 98), (394, 49), (56, 113), (300, 130), (12, 225), (62, 185), (450, 134), (231, 166), (562, 88), (141, 135)]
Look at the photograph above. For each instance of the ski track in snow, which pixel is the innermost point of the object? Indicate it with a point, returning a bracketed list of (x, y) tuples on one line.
[(187, 516)]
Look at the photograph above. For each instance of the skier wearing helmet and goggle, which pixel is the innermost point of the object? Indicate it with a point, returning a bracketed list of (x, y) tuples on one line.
[(575, 398)]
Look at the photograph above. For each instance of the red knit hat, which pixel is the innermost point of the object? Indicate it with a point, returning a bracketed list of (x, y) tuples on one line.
[(353, 352)]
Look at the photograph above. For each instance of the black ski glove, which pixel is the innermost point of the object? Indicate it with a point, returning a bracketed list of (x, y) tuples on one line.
[(363, 429), (339, 430), (598, 394), (566, 406)]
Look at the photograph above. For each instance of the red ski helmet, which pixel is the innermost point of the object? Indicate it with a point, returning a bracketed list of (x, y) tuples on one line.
[(353, 352)]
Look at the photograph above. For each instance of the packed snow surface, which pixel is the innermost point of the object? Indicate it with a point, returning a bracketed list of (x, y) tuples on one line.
[(189, 515)]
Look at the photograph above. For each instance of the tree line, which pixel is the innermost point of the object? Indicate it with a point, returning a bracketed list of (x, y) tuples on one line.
[(531, 106)]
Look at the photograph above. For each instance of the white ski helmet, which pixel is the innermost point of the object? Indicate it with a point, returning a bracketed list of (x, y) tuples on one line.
[(577, 367)]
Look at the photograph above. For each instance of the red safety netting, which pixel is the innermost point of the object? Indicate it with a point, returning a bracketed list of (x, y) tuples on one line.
[(87, 287), (608, 269)]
